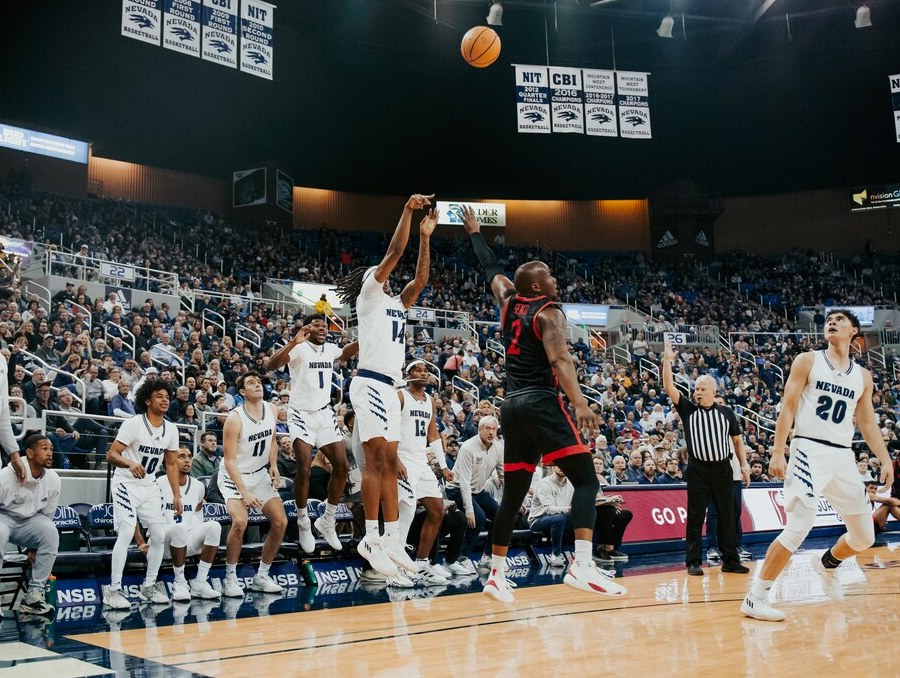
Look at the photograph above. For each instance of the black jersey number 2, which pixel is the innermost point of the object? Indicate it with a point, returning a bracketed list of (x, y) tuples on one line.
[(829, 409)]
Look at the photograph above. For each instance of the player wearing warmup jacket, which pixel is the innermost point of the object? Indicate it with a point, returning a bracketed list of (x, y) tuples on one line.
[(825, 391), (536, 425), (142, 446), (248, 438), (187, 534), (312, 422), (382, 342), (417, 482)]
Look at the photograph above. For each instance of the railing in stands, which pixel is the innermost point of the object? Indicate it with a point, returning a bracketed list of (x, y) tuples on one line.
[(465, 387), (60, 263), (50, 372), (111, 329), (248, 334)]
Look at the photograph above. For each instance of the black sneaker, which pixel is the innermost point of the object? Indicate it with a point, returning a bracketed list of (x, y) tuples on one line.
[(695, 570), (618, 556), (735, 568)]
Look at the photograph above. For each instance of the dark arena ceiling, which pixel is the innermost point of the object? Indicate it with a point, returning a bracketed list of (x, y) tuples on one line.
[(372, 96)]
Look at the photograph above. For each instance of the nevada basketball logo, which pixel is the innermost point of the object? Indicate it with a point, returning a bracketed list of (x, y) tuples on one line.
[(634, 120), (142, 20), (219, 46), (534, 116), (257, 57), (602, 118), (568, 116), (183, 34)]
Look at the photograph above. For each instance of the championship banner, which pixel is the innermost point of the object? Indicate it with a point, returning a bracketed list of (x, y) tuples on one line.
[(566, 100), (532, 100), (257, 37), (181, 26), (600, 103), (634, 105), (220, 42), (895, 99), (142, 20)]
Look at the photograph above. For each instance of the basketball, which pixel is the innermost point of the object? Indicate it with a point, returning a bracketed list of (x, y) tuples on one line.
[(480, 46)]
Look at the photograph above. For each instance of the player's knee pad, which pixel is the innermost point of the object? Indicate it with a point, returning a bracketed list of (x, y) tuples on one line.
[(860, 531), (213, 533), (800, 520), (177, 537)]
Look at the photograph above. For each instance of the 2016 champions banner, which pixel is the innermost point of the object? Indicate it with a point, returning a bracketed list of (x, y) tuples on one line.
[(142, 20), (181, 26), (532, 99), (257, 38), (220, 39), (582, 100)]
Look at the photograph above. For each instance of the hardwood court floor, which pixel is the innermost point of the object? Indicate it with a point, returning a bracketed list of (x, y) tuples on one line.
[(669, 624)]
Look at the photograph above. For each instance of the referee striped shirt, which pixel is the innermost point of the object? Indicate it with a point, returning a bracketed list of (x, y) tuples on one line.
[(708, 430)]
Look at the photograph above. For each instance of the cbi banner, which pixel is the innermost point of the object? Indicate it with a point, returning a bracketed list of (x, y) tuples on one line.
[(634, 105), (566, 100), (181, 26), (257, 38), (142, 20), (895, 100), (532, 100), (600, 115), (220, 40)]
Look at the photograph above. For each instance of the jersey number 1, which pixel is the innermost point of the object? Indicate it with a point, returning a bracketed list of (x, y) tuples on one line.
[(399, 331)]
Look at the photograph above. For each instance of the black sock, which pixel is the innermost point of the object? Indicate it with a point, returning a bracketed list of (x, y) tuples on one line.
[(829, 561)]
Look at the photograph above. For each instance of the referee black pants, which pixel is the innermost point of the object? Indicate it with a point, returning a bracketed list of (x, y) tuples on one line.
[(709, 480)]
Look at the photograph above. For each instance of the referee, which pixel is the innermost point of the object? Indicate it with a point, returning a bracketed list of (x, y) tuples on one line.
[(707, 428)]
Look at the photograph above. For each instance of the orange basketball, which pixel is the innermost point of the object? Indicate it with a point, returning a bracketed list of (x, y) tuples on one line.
[(480, 46)]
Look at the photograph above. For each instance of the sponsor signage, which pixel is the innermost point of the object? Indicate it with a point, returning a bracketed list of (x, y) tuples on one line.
[(486, 213), (874, 197), (866, 314), (21, 139), (587, 314)]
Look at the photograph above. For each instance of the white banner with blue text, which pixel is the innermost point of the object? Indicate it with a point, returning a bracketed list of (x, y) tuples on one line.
[(181, 26), (220, 38), (634, 104), (142, 20), (600, 117), (532, 99), (566, 102), (257, 38)]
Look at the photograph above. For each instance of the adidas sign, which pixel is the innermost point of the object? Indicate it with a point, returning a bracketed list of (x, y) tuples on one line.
[(701, 239), (667, 240)]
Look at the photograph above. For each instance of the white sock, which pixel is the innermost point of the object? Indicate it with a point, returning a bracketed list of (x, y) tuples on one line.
[(392, 529), (203, 570), (263, 570), (498, 563), (330, 510), (231, 570), (761, 588), (584, 552), (372, 528), (179, 573)]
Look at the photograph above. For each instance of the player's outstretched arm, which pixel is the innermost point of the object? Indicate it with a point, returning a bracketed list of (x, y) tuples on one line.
[(423, 265), (281, 357), (501, 286), (401, 237), (868, 426)]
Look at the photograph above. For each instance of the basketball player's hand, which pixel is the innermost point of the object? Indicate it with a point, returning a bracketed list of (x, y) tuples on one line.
[(302, 334), (470, 520), (447, 474), (251, 501), (18, 468), (401, 471), (470, 223), (588, 420), (777, 466), (177, 506), (143, 548), (137, 470), (276, 478), (429, 222), (887, 474), (417, 201)]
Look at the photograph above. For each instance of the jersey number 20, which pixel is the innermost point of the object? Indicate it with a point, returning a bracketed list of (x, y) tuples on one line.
[(825, 412)]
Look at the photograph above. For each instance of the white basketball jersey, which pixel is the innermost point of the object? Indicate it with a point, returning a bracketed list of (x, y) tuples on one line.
[(311, 371), (255, 439), (145, 444), (192, 493), (382, 329), (414, 419), (828, 402)]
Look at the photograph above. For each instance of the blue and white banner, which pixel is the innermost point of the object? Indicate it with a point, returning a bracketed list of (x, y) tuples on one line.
[(566, 100), (181, 26), (257, 37), (142, 20), (634, 104), (532, 99), (30, 141), (220, 40), (895, 100), (600, 115)]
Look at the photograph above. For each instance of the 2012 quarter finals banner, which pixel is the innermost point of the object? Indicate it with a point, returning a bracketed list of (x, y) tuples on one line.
[(257, 38), (181, 26), (142, 20), (532, 99), (220, 38)]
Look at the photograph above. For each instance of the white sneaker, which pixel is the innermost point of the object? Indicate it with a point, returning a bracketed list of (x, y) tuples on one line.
[(462, 567), (202, 589), (712, 553), (116, 600), (499, 587), (396, 551), (231, 588), (589, 578), (372, 549), (759, 608), (831, 585), (306, 539), (401, 581), (430, 576), (152, 594), (180, 591), (557, 560), (442, 570), (325, 527), (485, 562), (373, 576), (264, 584)]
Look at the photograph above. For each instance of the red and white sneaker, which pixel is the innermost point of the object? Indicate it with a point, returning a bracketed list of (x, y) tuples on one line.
[(499, 587), (589, 578)]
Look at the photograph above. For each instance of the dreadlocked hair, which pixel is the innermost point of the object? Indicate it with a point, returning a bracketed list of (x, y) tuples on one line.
[(349, 287)]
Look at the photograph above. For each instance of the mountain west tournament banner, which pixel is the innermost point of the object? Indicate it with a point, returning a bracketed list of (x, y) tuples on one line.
[(532, 99), (566, 102), (895, 98), (220, 40), (181, 26), (600, 115), (634, 106), (141, 20), (257, 38)]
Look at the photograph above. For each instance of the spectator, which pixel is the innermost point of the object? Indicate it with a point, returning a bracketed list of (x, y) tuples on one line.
[(92, 435), (648, 474), (635, 469), (550, 508), (209, 456), (121, 404)]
